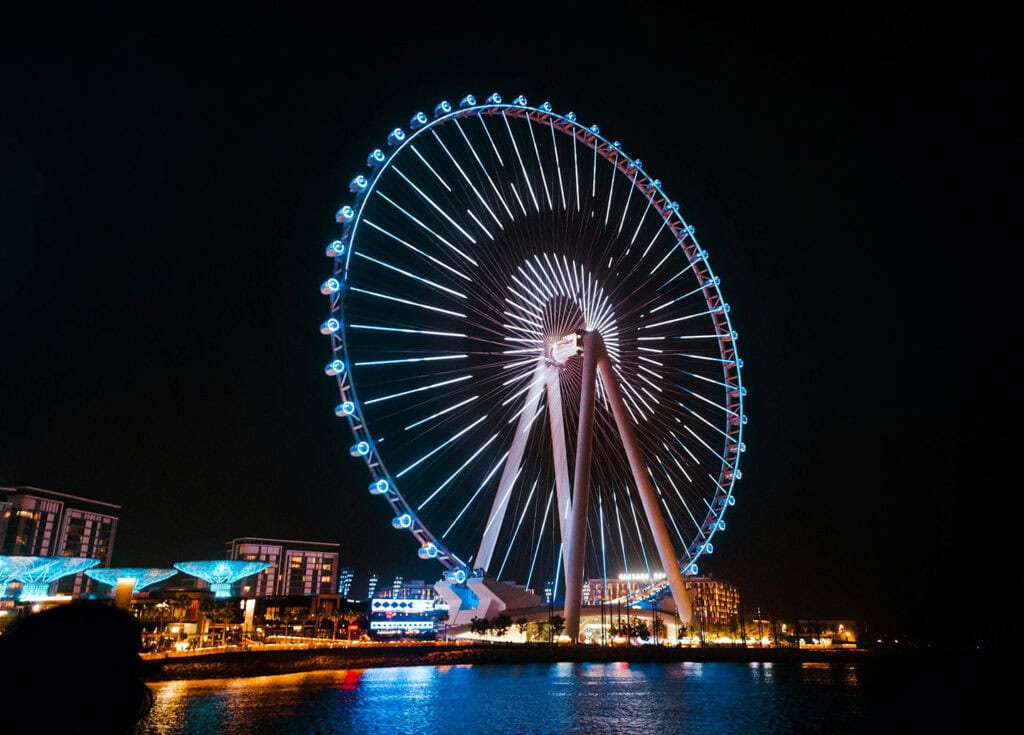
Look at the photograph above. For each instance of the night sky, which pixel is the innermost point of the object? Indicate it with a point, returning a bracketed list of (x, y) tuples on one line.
[(168, 185)]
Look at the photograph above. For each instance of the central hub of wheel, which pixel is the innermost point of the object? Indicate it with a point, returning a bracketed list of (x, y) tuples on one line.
[(560, 350)]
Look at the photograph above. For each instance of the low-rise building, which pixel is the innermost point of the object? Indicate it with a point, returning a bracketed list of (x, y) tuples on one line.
[(296, 567)]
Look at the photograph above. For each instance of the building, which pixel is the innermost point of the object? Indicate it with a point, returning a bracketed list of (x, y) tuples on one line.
[(38, 522), (296, 567), (345, 581), (625, 587), (715, 603), (408, 608), (371, 586)]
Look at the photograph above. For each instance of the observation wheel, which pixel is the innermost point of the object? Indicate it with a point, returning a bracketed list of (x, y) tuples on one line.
[(533, 353)]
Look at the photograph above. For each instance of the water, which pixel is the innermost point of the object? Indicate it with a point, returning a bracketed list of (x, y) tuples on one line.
[(560, 698)]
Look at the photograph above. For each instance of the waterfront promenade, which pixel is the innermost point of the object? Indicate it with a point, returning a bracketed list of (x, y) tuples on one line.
[(265, 661)]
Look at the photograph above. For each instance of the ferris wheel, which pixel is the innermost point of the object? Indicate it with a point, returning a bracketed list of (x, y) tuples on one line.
[(533, 353)]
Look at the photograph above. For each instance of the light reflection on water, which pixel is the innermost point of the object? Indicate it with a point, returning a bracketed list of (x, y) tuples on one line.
[(536, 698)]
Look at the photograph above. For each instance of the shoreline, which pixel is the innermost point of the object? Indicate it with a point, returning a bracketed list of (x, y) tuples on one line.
[(250, 663)]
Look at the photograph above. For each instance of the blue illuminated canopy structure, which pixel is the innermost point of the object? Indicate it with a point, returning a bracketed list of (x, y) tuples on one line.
[(221, 573), (142, 577), (37, 573)]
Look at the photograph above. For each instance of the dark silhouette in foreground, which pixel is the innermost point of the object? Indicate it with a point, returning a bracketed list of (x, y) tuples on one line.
[(73, 669)]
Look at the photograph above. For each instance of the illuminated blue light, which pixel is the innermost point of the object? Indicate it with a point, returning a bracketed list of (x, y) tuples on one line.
[(375, 158), (520, 100), (743, 446), (743, 391), (709, 548), (546, 107), (738, 474), (467, 101), (734, 334), (617, 145), (692, 569), (37, 573), (345, 214), (418, 121), (141, 577), (335, 249), (334, 367), (657, 183), (691, 229), (571, 117), (720, 525), (330, 286), (455, 576), (674, 206), (731, 500), (402, 521), (358, 184), (396, 136), (427, 551), (493, 99), (220, 573), (346, 408), (359, 449), (379, 487), (743, 419), (595, 129), (443, 108), (330, 326), (739, 362)]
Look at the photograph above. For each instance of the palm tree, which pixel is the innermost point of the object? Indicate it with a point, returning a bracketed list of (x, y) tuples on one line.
[(350, 617), (522, 624)]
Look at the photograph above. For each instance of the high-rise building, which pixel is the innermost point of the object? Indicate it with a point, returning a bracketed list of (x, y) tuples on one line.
[(345, 581), (39, 522), (371, 587), (296, 567), (715, 602), (396, 586)]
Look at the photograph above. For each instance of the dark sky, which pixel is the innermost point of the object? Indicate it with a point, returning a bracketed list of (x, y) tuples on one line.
[(168, 185)]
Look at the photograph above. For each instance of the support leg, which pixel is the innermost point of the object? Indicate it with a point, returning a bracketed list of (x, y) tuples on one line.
[(508, 474), (593, 346), (561, 460), (646, 490)]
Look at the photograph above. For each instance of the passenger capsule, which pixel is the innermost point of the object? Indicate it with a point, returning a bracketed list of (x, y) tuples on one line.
[(595, 129), (467, 101), (546, 107), (359, 449), (720, 525), (692, 569), (345, 215), (493, 99), (709, 548), (375, 158), (334, 367), (455, 576), (417, 121), (570, 116), (379, 487), (402, 521), (357, 184), (617, 145), (731, 500), (330, 326), (427, 551), (396, 136), (335, 249), (346, 408), (520, 100), (330, 286), (443, 108)]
